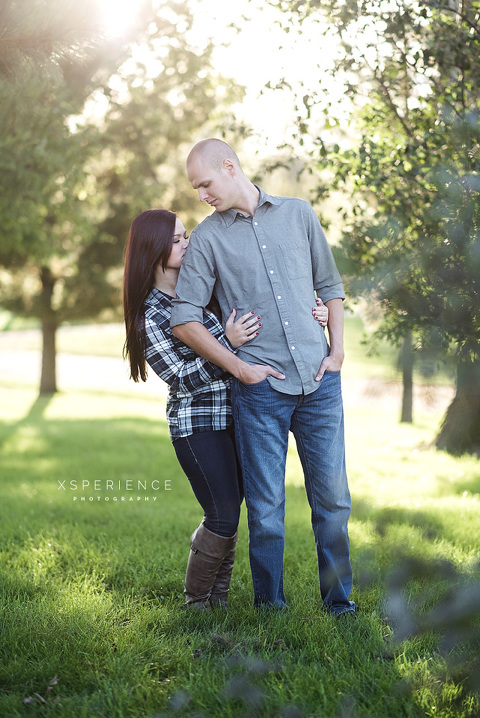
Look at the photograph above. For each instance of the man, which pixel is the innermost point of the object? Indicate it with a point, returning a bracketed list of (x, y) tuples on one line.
[(269, 255)]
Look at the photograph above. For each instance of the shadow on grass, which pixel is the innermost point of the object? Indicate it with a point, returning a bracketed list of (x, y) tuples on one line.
[(86, 450), (95, 500), (34, 414), (383, 519)]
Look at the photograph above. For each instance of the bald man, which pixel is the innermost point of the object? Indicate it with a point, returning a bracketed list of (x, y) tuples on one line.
[(269, 255)]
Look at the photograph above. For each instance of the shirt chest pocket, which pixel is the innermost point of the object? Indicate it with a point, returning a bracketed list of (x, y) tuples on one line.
[(297, 261)]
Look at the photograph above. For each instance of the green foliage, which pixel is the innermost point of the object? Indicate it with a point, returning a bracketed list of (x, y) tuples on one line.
[(411, 164), (85, 150), (38, 174), (151, 118)]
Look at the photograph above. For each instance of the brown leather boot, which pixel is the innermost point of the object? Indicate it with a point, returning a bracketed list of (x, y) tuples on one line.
[(207, 552), (221, 586)]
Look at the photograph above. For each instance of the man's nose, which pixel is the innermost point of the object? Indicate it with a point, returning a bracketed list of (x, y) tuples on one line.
[(202, 194)]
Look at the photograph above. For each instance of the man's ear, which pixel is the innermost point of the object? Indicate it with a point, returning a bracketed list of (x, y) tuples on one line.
[(229, 167)]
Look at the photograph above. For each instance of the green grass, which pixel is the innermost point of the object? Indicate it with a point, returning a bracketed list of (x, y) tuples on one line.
[(91, 590)]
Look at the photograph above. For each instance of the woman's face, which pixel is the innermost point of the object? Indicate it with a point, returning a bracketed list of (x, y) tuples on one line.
[(179, 246)]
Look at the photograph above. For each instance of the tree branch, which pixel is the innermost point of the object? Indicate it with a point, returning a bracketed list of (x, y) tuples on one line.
[(463, 17)]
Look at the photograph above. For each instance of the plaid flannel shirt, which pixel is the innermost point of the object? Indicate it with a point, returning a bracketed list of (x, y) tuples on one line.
[(199, 393)]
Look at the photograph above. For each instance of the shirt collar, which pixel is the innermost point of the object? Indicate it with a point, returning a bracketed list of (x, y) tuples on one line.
[(155, 297), (230, 215)]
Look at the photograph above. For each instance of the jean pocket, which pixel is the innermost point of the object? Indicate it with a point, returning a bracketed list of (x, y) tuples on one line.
[(255, 385)]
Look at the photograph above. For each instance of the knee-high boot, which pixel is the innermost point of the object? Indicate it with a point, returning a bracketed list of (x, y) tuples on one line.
[(221, 586), (207, 552)]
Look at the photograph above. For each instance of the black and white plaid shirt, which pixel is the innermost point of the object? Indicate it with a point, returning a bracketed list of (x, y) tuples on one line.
[(199, 394)]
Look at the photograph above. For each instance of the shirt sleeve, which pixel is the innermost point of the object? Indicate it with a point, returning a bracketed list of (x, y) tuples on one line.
[(223, 339), (180, 373), (195, 284), (326, 277)]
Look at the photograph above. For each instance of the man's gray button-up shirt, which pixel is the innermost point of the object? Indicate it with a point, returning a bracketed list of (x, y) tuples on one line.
[(272, 264)]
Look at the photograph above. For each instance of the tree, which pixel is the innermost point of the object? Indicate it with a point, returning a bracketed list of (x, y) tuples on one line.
[(69, 187), (41, 215), (411, 163), (43, 33)]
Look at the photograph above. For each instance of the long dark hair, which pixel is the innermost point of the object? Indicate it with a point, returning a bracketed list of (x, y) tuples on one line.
[(149, 243)]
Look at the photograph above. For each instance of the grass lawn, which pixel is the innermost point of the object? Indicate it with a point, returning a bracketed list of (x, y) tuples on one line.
[(92, 577)]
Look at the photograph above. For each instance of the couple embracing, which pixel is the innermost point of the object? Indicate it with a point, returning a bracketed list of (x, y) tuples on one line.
[(234, 325)]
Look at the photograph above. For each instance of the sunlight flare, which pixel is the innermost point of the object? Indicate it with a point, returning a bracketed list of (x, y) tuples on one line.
[(117, 15)]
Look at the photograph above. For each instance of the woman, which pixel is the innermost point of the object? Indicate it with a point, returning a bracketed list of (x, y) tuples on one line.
[(198, 407)]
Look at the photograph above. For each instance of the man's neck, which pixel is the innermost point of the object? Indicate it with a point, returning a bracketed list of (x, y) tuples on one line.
[(249, 200)]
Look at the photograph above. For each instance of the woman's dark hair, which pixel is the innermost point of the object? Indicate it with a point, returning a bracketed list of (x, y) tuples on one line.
[(149, 243)]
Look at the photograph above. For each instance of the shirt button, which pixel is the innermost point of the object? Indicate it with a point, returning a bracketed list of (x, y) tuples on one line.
[(264, 246), (255, 223), (286, 323), (271, 271), (279, 296), (293, 347)]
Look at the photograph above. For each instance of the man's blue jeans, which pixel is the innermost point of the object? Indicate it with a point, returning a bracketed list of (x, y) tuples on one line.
[(263, 419)]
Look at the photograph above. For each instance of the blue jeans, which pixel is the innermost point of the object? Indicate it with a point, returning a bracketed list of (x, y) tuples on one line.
[(263, 419)]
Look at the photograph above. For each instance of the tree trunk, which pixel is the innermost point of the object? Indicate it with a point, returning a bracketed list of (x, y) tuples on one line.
[(48, 380), (406, 361), (460, 430)]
